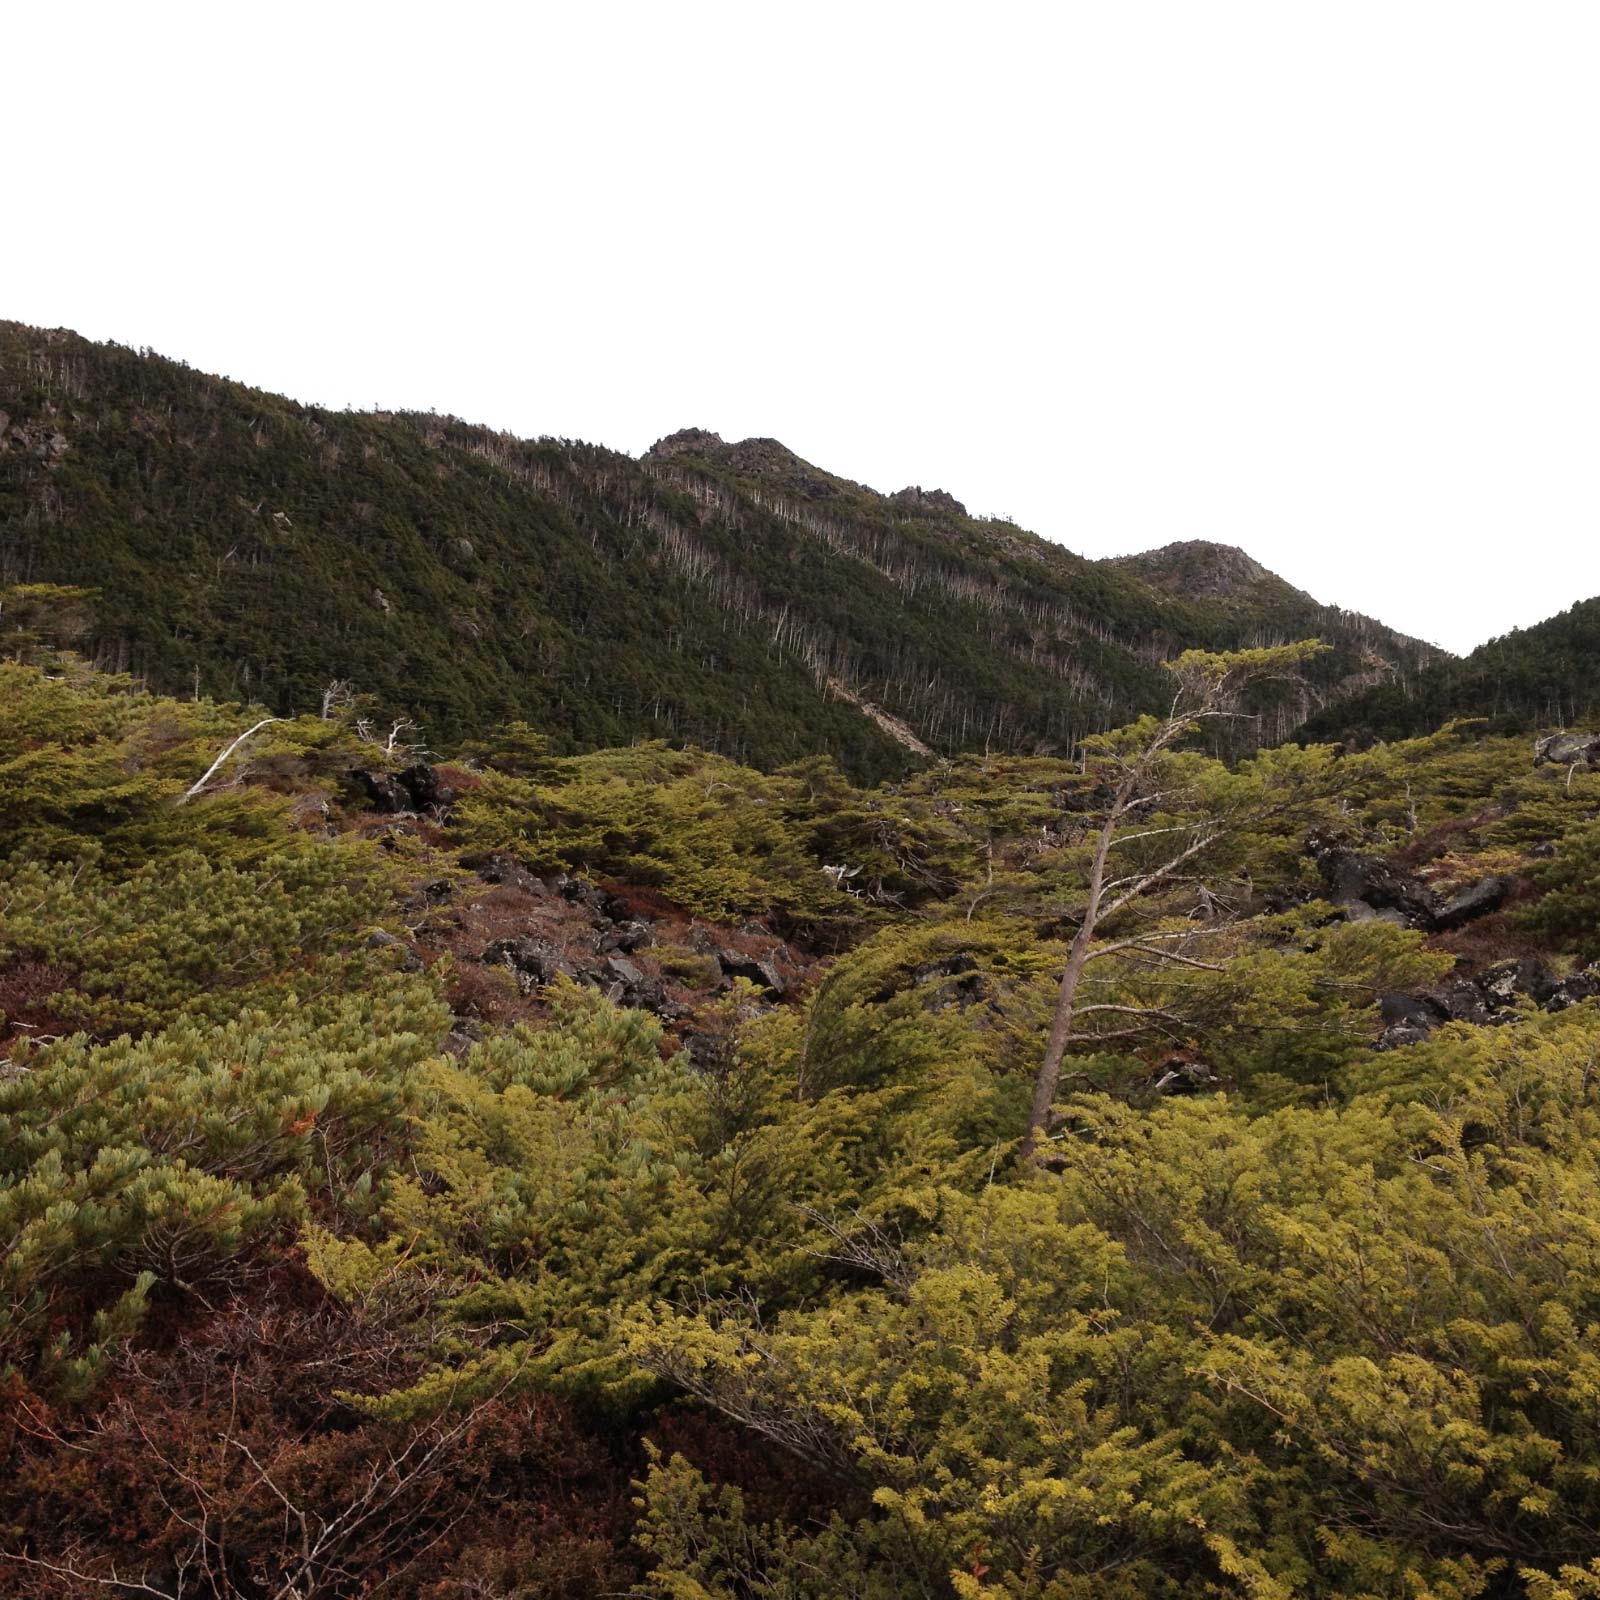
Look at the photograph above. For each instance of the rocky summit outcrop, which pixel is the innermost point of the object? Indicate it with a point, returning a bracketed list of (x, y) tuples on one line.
[(915, 498)]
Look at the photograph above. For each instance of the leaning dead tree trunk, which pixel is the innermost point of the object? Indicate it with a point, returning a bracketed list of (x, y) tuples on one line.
[(216, 766), (1044, 1088), (1208, 687)]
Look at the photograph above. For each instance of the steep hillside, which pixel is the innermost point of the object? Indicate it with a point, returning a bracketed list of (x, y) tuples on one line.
[(570, 1178), (733, 596), (1539, 677)]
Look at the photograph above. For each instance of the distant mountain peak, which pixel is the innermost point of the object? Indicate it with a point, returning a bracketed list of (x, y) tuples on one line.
[(686, 442), (751, 458), (919, 499), (1200, 569)]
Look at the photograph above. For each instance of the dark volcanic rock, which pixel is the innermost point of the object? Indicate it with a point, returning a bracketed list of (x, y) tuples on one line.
[(1179, 1075), (1463, 1001), (1408, 1019), (1477, 900), (627, 985), (959, 980), (627, 937), (418, 788), (1580, 986), (426, 787), (758, 970), (503, 869), (1400, 1035), (384, 792), (1352, 878), (623, 970), (1490, 996), (1503, 984), (1412, 1010)]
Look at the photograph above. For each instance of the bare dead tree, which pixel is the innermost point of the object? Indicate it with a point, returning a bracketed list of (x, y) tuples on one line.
[(1131, 764), (199, 787)]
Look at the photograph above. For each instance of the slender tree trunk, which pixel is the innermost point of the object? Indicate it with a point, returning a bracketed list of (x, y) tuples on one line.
[(211, 771), (1044, 1086)]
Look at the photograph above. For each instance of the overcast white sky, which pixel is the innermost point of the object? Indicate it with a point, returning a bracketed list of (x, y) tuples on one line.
[(1321, 280)]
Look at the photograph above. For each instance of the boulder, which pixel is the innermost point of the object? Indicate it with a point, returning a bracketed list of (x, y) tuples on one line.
[(1353, 878), (1477, 900), (384, 792), (1180, 1075), (627, 937), (1411, 1010), (535, 961), (1463, 1001), (1507, 982), (759, 970), (508, 871), (623, 971), (1580, 750), (1571, 991), (1360, 911), (579, 891), (418, 788), (960, 981), (1489, 997), (1399, 1035), (426, 787), (410, 961), (1408, 1019), (626, 985)]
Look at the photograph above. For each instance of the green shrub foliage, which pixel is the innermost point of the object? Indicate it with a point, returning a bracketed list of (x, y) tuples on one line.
[(316, 1280)]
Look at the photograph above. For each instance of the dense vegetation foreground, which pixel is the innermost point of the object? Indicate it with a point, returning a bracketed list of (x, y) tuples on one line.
[(607, 1175)]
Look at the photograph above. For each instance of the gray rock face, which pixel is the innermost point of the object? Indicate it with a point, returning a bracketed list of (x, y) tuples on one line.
[(1581, 750), (534, 961), (916, 498), (1477, 900)]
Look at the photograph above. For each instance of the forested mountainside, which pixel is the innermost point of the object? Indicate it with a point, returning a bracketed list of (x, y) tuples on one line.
[(730, 596), (1546, 676), (562, 1176)]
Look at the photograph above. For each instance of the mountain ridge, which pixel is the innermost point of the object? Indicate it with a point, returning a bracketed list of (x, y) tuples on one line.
[(247, 546)]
